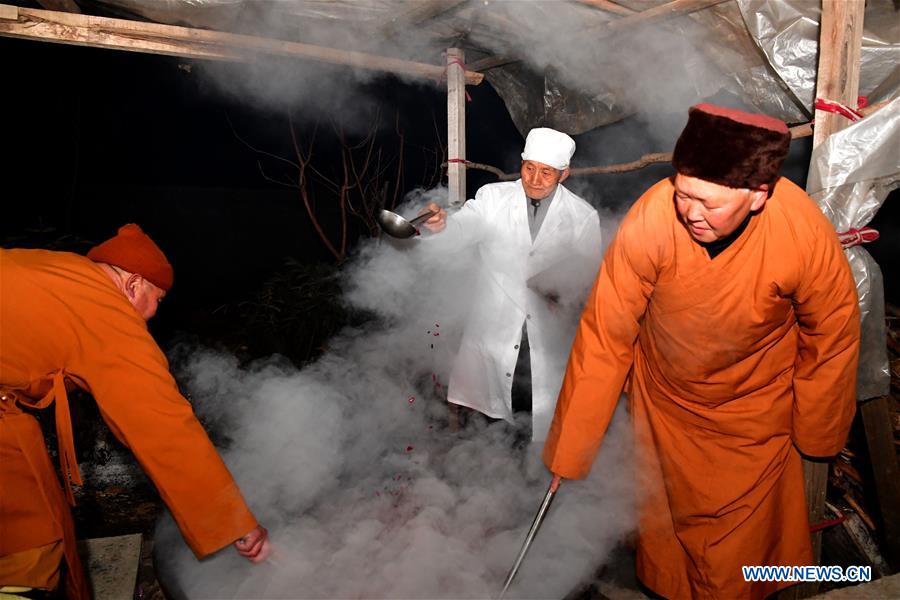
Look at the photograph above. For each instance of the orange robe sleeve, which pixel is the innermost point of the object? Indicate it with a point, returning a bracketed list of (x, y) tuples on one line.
[(137, 396), (603, 350), (827, 311)]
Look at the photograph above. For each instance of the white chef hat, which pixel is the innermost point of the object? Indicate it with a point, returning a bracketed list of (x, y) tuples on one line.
[(550, 147)]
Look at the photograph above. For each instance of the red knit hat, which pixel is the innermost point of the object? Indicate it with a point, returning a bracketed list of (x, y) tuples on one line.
[(731, 147), (133, 250)]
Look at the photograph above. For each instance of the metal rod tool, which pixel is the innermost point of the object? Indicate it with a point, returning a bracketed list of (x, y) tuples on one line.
[(535, 525)]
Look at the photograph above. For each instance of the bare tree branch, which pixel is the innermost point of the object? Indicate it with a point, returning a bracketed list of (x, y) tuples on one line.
[(304, 192), (254, 148)]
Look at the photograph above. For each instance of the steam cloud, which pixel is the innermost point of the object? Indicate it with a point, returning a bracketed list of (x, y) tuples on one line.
[(349, 462), (654, 71), (365, 491)]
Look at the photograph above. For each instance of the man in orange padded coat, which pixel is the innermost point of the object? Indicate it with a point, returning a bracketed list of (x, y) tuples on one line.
[(70, 320), (726, 309)]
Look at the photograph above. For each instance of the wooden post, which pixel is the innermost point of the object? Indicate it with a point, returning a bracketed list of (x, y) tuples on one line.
[(837, 79), (456, 151), (876, 417), (840, 46), (456, 125), (815, 477)]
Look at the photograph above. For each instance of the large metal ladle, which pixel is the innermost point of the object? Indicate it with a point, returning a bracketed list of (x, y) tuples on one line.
[(396, 226)]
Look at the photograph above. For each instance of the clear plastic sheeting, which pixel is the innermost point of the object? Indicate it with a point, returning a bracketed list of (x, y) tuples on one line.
[(558, 106), (851, 173), (746, 72), (787, 32)]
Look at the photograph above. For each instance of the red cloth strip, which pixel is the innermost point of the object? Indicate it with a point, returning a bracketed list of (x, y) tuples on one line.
[(457, 160), (462, 65), (838, 108), (855, 237), (826, 524)]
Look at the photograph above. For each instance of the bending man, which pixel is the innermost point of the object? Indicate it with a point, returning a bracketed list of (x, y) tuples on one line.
[(67, 320), (726, 296)]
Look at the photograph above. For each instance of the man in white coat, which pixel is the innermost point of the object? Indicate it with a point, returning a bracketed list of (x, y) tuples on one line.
[(538, 246)]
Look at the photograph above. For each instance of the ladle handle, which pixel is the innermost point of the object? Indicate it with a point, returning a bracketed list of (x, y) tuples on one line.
[(421, 218)]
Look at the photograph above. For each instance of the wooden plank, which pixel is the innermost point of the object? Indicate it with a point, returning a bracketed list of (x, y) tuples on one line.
[(9, 13), (876, 416), (491, 62), (664, 11), (456, 126), (837, 78), (608, 6), (155, 38), (815, 480)]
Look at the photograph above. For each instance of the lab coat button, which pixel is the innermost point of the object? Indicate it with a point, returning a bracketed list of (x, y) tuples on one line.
[(527, 316), (516, 347), (531, 254), (509, 374)]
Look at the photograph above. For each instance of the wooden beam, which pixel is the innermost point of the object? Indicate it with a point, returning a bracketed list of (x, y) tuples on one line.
[(456, 126), (491, 62), (154, 38), (608, 6), (664, 11)]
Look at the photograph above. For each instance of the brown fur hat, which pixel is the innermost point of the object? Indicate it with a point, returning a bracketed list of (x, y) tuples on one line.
[(731, 147)]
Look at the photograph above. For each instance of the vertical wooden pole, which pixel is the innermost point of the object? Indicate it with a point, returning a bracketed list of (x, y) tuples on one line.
[(456, 151), (840, 46), (456, 125), (876, 416), (815, 476), (837, 79)]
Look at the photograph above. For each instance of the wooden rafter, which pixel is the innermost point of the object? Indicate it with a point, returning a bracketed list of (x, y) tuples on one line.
[(154, 38), (608, 6), (651, 15), (491, 62)]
